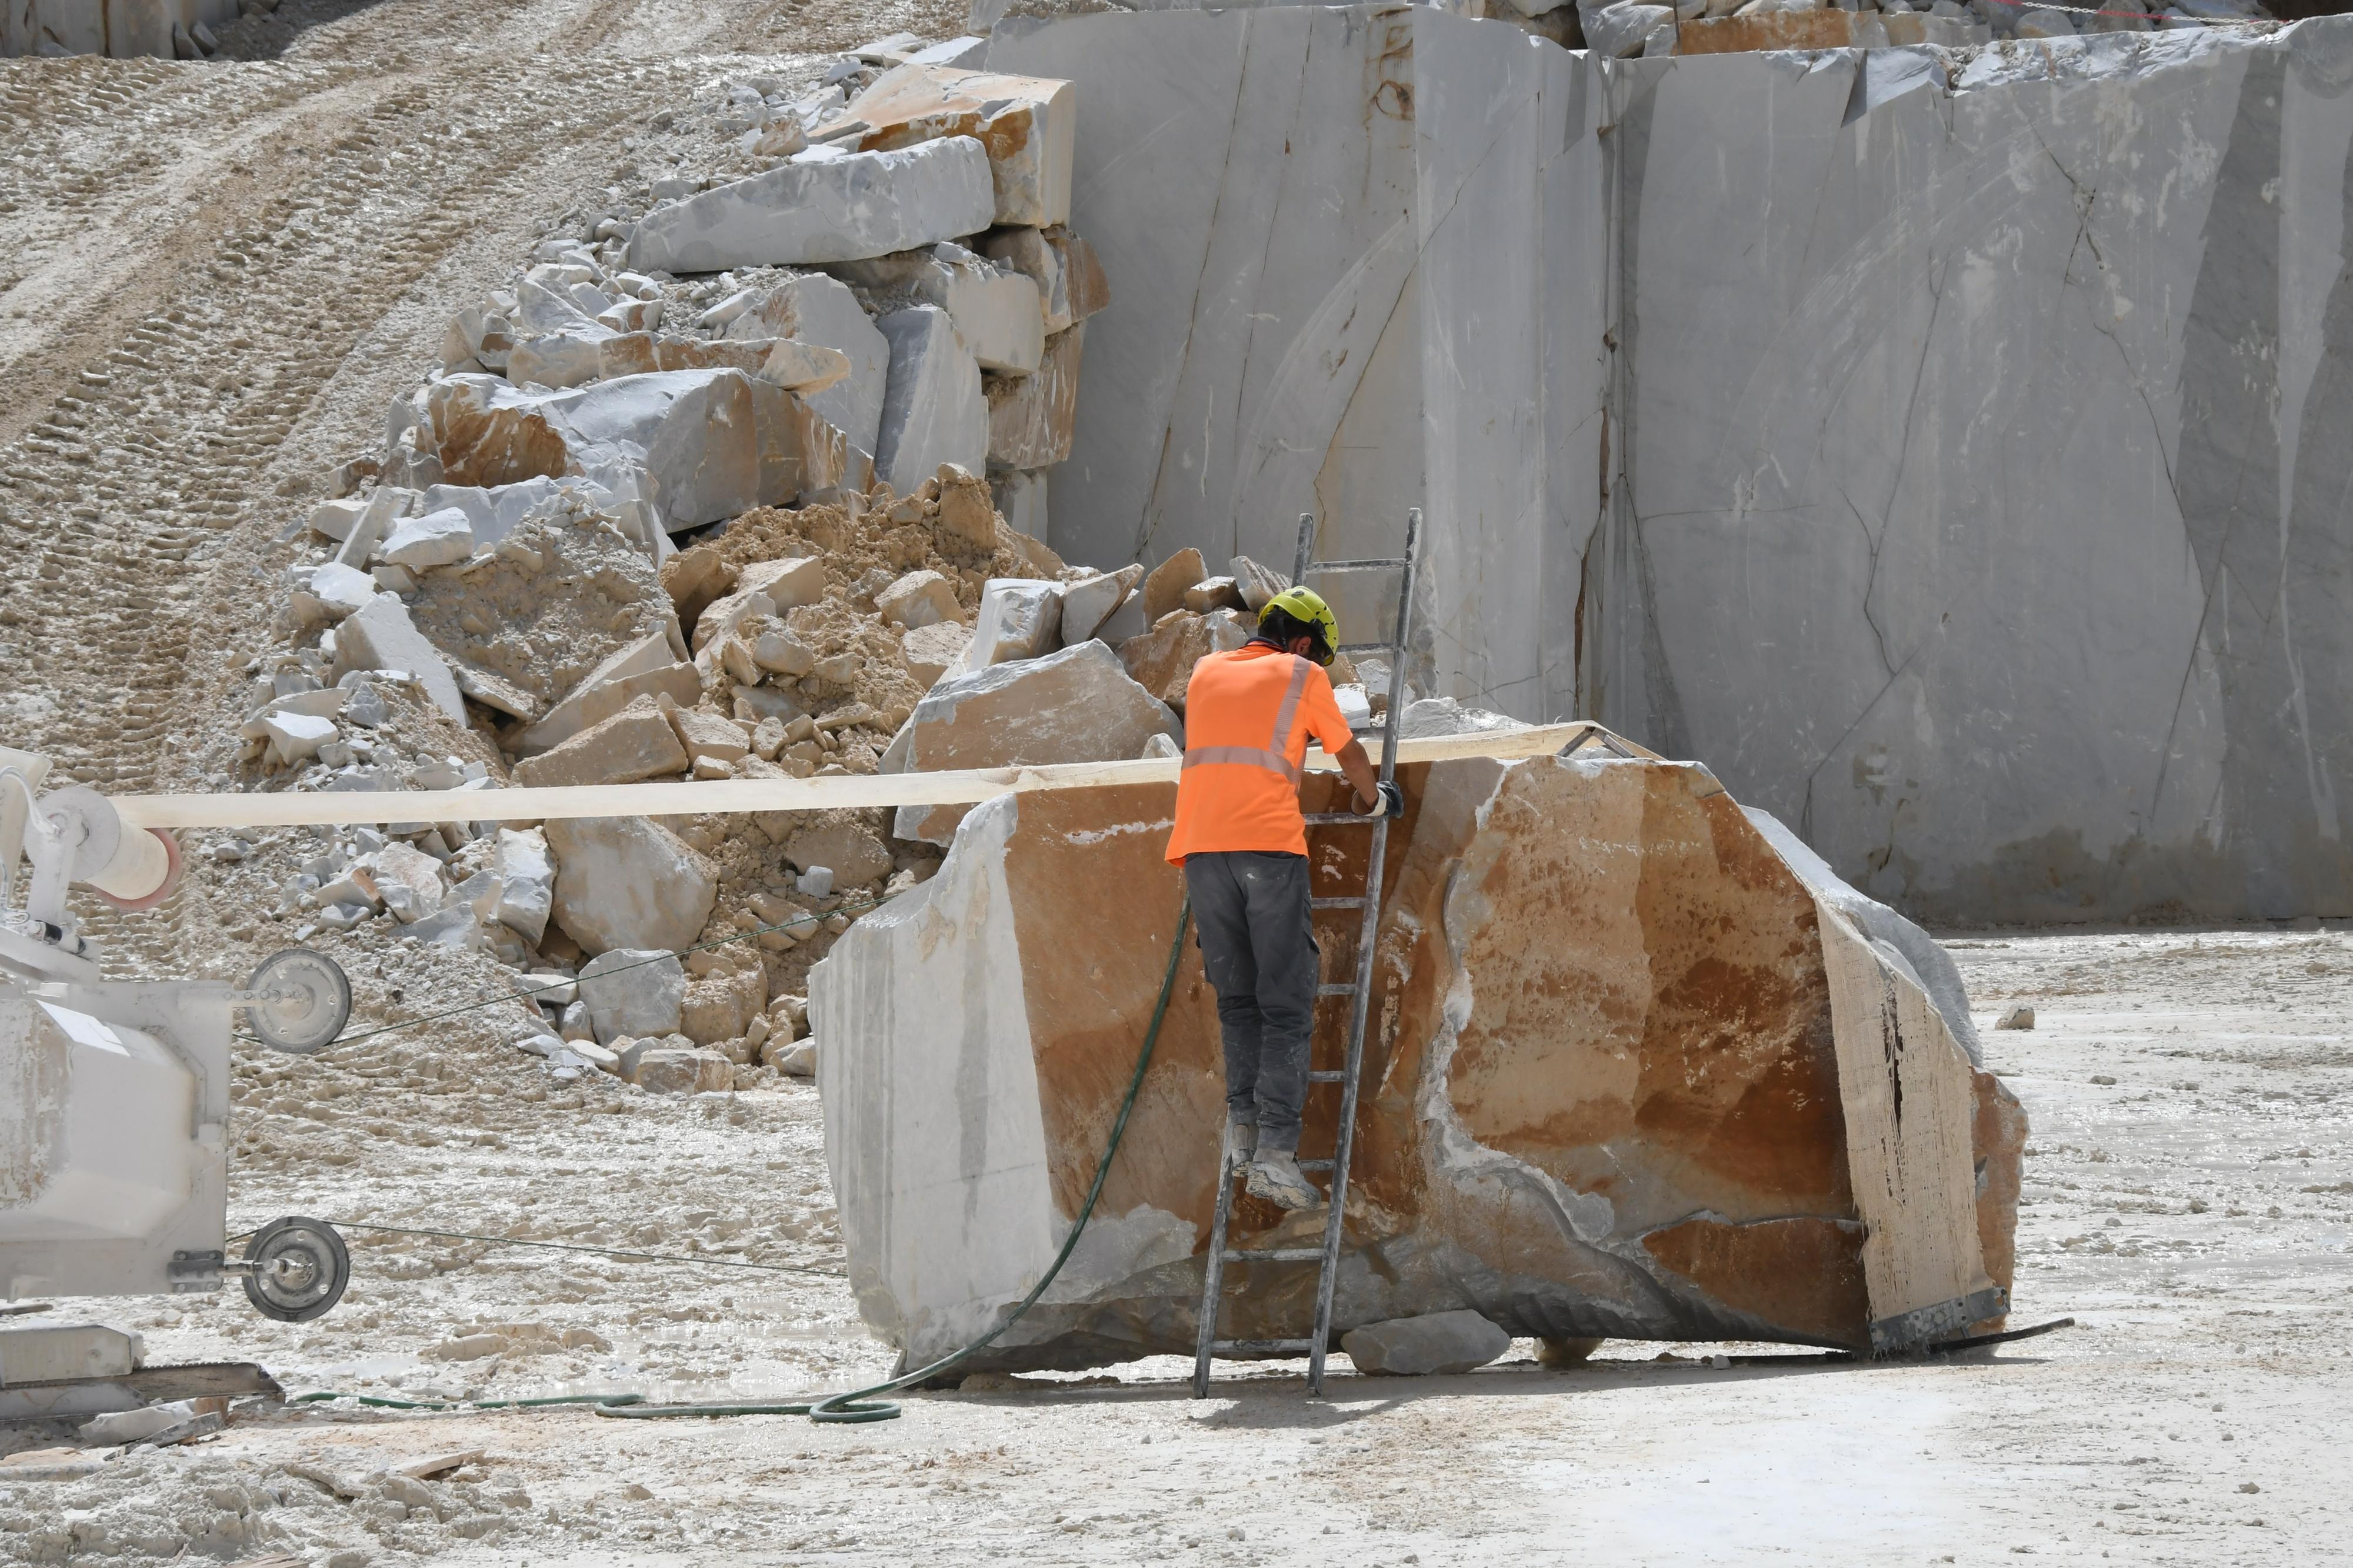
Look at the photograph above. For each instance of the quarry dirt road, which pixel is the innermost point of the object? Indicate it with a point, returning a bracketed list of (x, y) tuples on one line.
[(215, 277)]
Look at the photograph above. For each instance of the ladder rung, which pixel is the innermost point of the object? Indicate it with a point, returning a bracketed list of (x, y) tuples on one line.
[(1320, 1076), (1340, 988), (1241, 1167), (1368, 647), (1341, 816), (1356, 904), (1368, 563), (1275, 1254), (1262, 1347)]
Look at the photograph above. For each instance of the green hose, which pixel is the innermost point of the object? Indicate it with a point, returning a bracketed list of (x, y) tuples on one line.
[(858, 1405), (384, 1402)]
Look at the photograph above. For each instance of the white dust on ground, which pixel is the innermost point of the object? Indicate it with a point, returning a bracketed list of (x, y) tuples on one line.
[(2193, 1213)]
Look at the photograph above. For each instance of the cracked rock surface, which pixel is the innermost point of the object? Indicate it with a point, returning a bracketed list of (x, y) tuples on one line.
[(1978, 514)]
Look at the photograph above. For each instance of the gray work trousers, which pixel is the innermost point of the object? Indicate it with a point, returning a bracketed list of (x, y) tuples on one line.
[(1250, 914)]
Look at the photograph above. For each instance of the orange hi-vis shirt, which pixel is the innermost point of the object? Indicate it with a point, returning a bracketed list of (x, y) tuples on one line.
[(1248, 716)]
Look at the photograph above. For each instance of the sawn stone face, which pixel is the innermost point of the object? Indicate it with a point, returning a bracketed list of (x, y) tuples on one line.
[(2013, 582), (1626, 1066)]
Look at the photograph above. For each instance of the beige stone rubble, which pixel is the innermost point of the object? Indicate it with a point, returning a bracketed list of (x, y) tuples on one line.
[(647, 668), (1024, 122), (728, 991), (669, 1072), (1069, 275), (1163, 588), (918, 599), (855, 855), (931, 651), (707, 734), (529, 625), (762, 589), (967, 513), (1214, 594), (1032, 418), (1019, 618), (1258, 584), (1162, 659), (628, 882), (638, 742), (1077, 705), (1088, 603)]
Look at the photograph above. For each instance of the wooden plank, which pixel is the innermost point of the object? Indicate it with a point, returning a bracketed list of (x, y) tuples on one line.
[(964, 787)]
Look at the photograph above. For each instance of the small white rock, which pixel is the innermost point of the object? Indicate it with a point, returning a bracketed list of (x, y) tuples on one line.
[(437, 539)]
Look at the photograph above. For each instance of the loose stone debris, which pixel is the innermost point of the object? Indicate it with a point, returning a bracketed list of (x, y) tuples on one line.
[(709, 495), (1438, 1342)]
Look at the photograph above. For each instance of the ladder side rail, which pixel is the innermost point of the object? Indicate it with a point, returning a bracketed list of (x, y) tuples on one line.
[(1359, 1007), (1396, 645), (1306, 550), (1213, 1276)]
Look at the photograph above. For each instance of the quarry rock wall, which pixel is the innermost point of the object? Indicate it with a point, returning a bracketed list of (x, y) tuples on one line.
[(1988, 516), (1363, 276), (1940, 443)]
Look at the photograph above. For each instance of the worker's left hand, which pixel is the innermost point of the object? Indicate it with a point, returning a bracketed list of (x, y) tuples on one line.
[(1388, 801)]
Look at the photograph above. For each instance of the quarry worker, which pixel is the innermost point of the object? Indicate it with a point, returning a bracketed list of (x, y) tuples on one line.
[(1241, 836)]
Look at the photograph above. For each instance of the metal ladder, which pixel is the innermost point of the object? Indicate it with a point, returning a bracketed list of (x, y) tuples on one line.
[(1231, 1171)]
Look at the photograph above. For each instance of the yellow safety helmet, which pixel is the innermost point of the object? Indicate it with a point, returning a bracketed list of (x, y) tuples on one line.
[(1306, 606)]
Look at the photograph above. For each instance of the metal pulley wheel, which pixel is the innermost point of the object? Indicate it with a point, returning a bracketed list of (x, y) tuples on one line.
[(301, 1001), (299, 1269)]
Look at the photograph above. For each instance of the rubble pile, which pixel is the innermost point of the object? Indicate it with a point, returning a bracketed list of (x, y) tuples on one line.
[(654, 522), (710, 488)]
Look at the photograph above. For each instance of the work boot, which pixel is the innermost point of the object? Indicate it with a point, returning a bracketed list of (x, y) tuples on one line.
[(1242, 1133), (1276, 1176)]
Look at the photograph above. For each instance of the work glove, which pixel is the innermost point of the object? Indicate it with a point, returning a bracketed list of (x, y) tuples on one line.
[(1388, 801)]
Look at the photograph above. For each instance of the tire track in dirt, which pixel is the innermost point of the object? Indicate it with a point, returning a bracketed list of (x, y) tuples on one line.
[(177, 374)]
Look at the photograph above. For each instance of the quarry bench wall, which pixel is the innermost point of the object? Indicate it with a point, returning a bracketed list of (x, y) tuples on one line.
[(1944, 445)]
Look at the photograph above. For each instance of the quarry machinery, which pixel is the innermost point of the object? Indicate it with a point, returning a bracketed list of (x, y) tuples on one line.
[(114, 1094)]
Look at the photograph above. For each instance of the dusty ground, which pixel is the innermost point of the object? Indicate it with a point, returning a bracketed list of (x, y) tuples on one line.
[(215, 276), (2188, 1188)]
